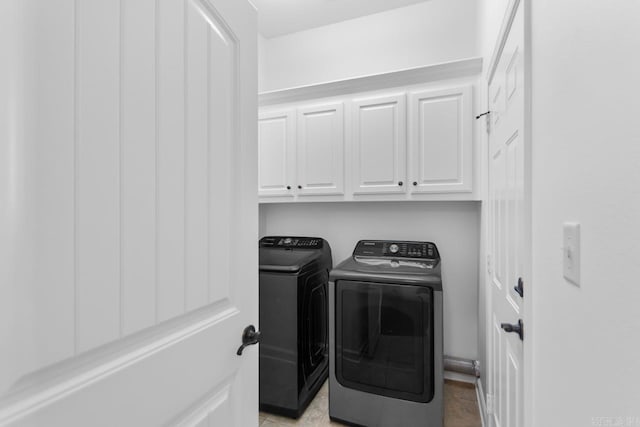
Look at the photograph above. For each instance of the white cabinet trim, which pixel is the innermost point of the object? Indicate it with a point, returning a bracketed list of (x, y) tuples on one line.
[(406, 77)]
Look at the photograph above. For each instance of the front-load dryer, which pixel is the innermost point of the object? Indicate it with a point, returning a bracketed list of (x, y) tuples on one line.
[(294, 346), (385, 336)]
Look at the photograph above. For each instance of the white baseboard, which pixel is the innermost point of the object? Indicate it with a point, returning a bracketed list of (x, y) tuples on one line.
[(482, 404), (456, 376)]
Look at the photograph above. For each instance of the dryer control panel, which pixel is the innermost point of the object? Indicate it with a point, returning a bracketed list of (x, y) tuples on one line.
[(396, 249), (290, 242)]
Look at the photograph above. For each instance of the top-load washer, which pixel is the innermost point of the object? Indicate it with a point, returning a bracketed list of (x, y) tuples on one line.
[(294, 359), (385, 336)]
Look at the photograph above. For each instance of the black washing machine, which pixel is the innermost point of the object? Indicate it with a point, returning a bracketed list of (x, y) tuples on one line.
[(386, 337), (294, 348)]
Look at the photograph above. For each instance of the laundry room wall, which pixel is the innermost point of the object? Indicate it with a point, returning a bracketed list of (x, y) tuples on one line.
[(586, 169), (261, 60), (452, 226), (426, 33)]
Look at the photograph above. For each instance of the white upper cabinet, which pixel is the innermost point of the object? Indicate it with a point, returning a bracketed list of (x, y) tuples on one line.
[(440, 141), (320, 150), (276, 154), (403, 135), (379, 145)]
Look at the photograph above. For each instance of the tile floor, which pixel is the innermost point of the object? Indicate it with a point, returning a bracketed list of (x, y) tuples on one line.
[(460, 409)]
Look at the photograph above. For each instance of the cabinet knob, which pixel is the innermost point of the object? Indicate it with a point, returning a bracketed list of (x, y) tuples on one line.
[(400, 183), (288, 187), (415, 183), (299, 187)]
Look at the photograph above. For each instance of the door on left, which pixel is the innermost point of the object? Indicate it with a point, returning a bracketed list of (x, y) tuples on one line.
[(128, 213)]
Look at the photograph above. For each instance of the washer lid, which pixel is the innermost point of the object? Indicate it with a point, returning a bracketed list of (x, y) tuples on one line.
[(286, 261)]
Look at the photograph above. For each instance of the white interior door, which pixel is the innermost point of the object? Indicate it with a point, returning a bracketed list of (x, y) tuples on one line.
[(128, 256), (507, 228)]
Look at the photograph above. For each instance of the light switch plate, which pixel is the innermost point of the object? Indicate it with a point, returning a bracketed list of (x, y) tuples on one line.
[(571, 252)]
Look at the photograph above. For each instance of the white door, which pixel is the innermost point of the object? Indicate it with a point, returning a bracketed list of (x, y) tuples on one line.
[(128, 256), (508, 197), (440, 141), (379, 145), (320, 150), (276, 154)]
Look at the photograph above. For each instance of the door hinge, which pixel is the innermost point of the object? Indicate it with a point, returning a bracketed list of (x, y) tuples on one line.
[(487, 119), (519, 288), (489, 270), (489, 404)]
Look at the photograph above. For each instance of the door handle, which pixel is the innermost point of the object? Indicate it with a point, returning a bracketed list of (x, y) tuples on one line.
[(517, 328), (249, 337)]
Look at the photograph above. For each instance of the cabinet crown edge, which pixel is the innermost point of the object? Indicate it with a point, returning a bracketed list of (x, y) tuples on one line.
[(424, 74)]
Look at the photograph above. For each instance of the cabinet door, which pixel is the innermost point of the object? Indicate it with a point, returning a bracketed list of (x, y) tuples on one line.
[(276, 154), (379, 145), (320, 150), (440, 144)]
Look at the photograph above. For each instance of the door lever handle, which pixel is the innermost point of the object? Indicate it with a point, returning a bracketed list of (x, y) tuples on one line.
[(249, 337), (517, 328)]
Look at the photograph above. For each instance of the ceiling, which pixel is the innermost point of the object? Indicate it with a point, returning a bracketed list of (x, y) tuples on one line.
[(279, 17)]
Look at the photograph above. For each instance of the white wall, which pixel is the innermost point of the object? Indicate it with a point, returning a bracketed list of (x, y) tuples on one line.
[(261, 60), (586, 168), (453, 226), (491, 14), (430, 32)]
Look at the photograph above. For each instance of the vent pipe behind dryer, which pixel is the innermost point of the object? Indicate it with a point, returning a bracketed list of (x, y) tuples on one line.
[(462, 366)]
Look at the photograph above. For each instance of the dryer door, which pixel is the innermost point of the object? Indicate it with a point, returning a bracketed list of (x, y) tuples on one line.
[(384, 339), (314, 328)]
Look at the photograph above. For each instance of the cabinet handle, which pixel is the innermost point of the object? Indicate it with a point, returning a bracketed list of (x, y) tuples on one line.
[(299, 187), (400, 183), (288, 187), (415, 183)]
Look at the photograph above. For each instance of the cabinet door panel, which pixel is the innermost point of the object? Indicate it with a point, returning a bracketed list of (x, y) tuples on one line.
[(276, 154), (441, 141), (320, 148), (379, 145)]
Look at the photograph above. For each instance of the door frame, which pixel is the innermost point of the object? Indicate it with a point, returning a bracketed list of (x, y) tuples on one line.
[(529, 329)]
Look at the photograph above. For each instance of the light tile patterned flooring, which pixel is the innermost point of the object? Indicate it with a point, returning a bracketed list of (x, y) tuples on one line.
[(460, 409)]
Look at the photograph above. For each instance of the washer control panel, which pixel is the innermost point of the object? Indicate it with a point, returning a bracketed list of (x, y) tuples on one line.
[(396, 249), (289, 242)]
